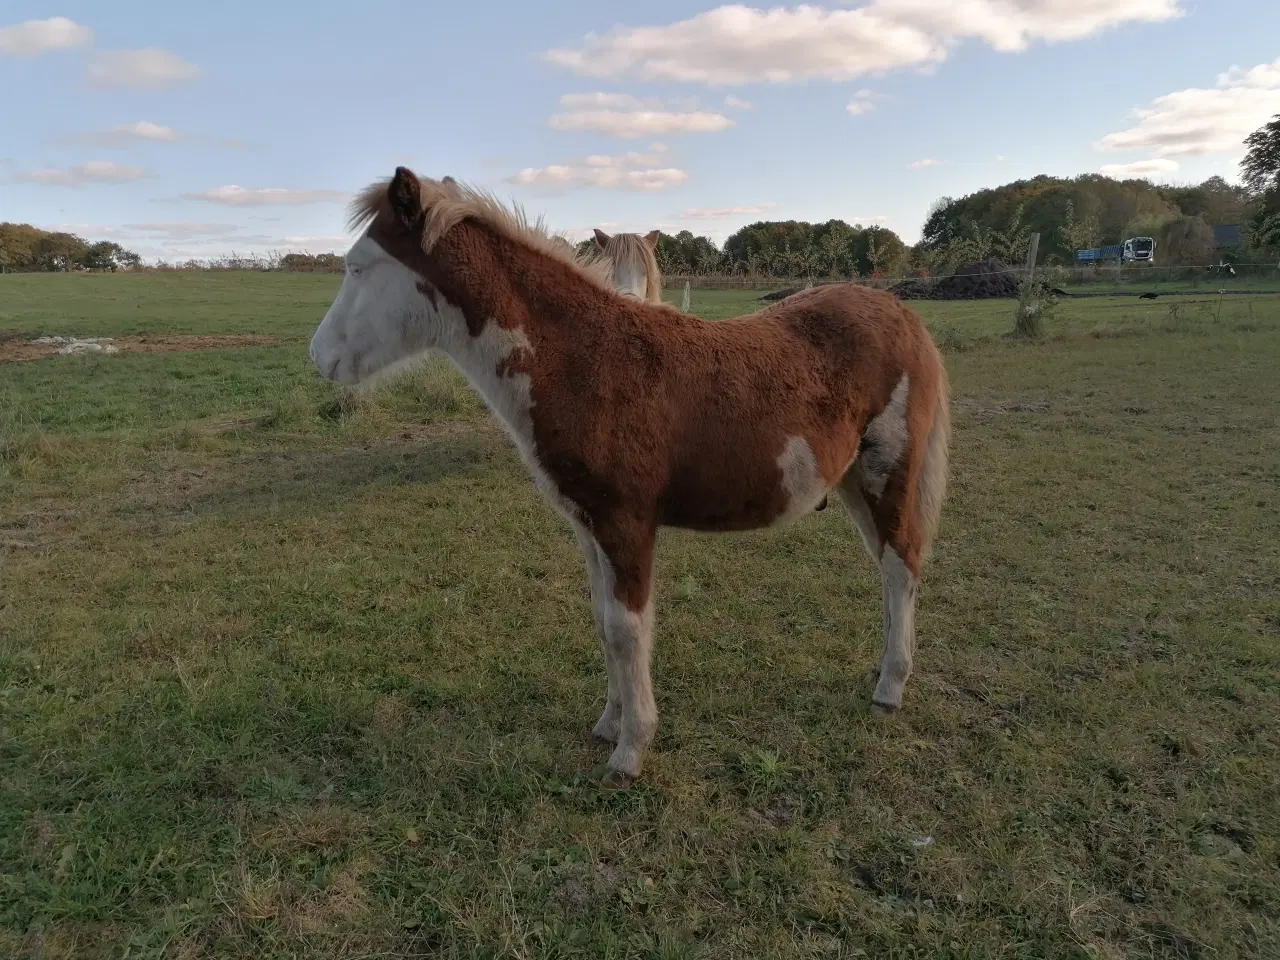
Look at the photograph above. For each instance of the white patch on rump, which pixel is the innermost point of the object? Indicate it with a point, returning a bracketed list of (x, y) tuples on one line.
[(801, 479), (886, 440)]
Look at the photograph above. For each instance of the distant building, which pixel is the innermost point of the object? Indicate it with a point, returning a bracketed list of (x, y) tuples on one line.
[(1228, 236)]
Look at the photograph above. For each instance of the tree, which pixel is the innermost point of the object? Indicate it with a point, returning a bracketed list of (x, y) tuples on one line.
[(1262, 229), (27, 248), (60, 251), (1260, 168), (1186, 241), (1010, 244), (103, 255), (880, 251), (1079, 233), (1215, 200), (834, 249)]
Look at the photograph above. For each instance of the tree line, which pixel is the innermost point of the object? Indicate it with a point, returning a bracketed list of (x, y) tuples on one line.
[(996, 224), (28, 249), (1069, 214)]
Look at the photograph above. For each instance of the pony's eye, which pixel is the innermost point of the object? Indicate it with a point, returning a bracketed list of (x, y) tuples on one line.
[(354, 270)]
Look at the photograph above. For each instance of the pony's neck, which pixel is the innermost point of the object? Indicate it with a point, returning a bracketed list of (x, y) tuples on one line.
[(512, 302)]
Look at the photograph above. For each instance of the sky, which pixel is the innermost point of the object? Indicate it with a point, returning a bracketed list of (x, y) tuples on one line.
[(195, 130)]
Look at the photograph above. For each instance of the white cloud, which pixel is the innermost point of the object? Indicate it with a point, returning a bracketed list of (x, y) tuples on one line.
[(724, 213), (630, 118), (634, 124), (863, 102), (183, 230), (1200, 120), (236, 196), (735, 44), (736, 103), (95, 171), (323, 243), (627, 171), (125, 134), (148, 69), (607, 101), (1139, 169), (922, 164), (34, 37)]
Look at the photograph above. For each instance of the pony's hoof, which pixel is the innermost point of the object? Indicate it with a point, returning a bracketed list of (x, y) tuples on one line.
[(883, 710), (616, 780), (611, 779), (604, 732)]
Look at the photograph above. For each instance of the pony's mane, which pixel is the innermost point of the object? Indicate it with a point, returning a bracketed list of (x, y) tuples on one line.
[(631, 248), (447, 203)]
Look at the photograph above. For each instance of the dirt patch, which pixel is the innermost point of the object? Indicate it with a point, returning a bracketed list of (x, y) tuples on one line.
[(14, 349), (780, 294), (979, 280)]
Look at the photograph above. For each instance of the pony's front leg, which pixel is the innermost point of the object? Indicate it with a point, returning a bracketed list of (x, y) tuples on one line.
[(627, 564)]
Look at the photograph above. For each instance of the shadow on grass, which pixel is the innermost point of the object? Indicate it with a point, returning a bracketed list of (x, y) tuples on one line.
[(270, 481)]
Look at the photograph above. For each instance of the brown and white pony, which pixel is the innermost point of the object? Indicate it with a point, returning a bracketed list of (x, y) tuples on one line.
[(634, 263), (632, 416)]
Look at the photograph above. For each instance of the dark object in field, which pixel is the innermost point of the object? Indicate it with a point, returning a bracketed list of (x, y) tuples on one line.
[(780, 294), (977, 280), (1148, 295)]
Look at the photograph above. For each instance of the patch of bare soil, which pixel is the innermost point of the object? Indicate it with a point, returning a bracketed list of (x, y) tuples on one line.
[(13, 349), (978, 280)]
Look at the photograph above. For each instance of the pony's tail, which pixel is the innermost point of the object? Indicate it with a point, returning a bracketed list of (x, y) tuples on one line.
[(932, 480)]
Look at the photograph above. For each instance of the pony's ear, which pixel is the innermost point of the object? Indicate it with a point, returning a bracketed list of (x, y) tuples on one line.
[(451, 187), (651, 239), (602, 238), (405, 196)]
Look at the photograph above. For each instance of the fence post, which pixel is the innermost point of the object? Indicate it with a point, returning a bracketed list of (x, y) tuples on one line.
[(1027, 321), (684, 300)]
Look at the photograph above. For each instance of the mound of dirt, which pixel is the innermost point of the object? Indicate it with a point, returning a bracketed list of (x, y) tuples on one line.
[(780, 294), (978, 280), (13, 349)]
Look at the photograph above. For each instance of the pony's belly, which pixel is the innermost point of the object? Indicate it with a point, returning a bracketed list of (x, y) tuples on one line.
[(737, 496)]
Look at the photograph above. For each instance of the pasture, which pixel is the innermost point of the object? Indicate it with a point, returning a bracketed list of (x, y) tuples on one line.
[(291, 671)]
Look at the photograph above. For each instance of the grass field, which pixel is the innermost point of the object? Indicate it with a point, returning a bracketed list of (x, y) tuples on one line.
[(292, 672)]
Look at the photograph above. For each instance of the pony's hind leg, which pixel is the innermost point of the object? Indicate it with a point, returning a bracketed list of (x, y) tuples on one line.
[(897, 590), (854, 497), (899, 594)]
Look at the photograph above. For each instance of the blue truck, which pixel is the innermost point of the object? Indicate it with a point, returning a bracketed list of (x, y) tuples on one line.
[(1133, 250)]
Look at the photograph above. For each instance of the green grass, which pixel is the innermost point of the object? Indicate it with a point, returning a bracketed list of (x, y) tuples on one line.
[(287, 671)]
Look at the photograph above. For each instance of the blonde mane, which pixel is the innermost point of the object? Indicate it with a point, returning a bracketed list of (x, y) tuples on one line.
[(446, 203), (630, 248)]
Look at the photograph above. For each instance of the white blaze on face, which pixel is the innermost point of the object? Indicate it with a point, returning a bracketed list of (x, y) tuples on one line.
[(379, 318), (630, 278)]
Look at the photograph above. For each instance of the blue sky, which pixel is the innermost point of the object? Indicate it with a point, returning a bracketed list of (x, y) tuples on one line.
[(188, 130)]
